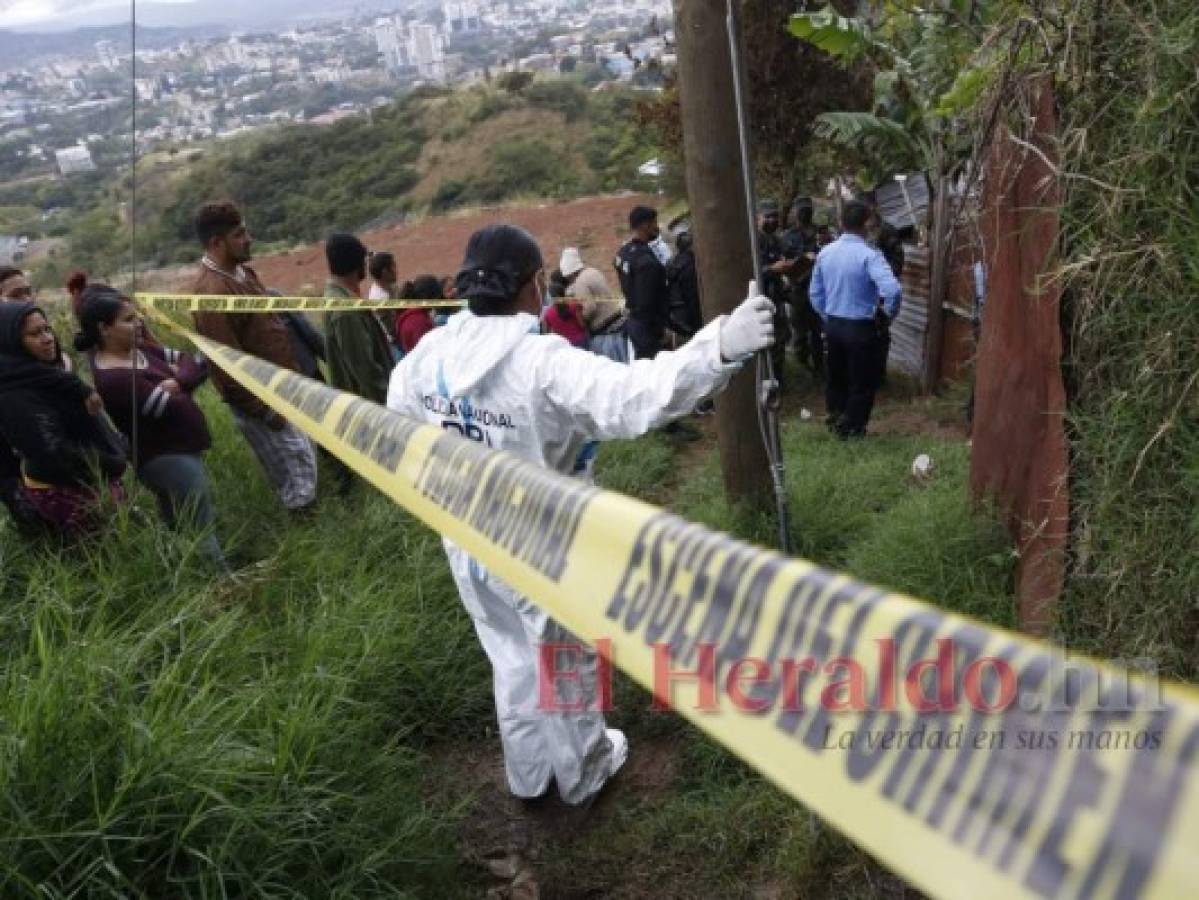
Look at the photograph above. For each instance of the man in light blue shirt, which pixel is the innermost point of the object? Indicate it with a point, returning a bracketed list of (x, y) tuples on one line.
[(852, 289)]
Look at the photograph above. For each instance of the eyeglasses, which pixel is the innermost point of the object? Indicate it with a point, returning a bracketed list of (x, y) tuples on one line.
[(19, 293)]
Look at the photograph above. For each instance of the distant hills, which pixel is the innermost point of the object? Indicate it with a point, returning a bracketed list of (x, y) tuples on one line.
[(29, 47)]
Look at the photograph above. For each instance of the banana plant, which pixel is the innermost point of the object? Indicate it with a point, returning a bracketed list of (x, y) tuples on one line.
[(924, 80)]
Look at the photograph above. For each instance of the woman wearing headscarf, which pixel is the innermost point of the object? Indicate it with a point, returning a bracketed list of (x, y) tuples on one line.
[(150, 400), (70, 458), (544, 400)]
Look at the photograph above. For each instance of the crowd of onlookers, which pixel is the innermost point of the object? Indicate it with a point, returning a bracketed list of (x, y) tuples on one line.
[(485, 373), (66, 445)]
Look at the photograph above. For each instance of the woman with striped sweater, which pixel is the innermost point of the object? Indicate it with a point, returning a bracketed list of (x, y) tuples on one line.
[(147, 391)]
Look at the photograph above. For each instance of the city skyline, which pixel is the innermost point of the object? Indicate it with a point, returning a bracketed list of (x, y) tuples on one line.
[(64, 105)]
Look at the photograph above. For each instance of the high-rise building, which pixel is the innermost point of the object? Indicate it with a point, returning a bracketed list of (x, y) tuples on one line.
[(462, 19), (107, 52), (236, 53), (426, 51), (391, 38), (411, 45)]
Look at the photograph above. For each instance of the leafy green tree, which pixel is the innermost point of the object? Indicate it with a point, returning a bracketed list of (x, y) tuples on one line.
[(526, 166), (560, 95), (98, 242), (515, 82), (927, 72)]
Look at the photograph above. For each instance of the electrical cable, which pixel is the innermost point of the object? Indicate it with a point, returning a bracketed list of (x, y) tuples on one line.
[(767, 399)]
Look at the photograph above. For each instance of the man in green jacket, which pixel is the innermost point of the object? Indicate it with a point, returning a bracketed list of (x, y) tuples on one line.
[(360, 356)]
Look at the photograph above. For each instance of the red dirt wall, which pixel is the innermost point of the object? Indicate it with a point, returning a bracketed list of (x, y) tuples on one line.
[(1020, 452), (434, 246), (957, 348)]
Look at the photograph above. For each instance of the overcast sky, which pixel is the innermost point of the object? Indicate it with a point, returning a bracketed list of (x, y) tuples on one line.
[(54, 13), (58, 15)]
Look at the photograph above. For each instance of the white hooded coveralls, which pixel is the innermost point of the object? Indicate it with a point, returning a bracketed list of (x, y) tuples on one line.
[(496, 380)]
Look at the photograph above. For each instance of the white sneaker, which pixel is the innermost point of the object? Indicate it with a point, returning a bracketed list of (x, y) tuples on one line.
[(620, 749)]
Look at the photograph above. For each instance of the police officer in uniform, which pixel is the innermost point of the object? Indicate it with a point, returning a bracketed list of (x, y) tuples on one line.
[(643, 283), (686, 315), (775, 266), (800, 244)]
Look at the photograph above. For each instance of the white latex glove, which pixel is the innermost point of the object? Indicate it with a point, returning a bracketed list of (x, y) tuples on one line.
[(749, 328)]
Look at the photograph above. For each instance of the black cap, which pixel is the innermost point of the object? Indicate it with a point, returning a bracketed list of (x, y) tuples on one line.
[(499, 259)]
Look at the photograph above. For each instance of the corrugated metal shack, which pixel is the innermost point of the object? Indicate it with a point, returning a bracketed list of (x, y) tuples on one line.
[(904, 202)]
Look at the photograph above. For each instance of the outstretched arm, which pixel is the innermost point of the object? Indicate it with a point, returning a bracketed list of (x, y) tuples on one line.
[(609, 400)]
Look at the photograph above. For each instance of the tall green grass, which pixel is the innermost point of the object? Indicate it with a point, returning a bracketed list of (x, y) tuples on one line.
[(713, 821), (163, 735), (302, 731), (856, 508), (1130, 153)]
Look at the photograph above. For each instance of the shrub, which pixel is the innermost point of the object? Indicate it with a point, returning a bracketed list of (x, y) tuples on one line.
[(448, 195), (1131, 235), (559, 95), (525, 166), (490, 104), (515, 82)]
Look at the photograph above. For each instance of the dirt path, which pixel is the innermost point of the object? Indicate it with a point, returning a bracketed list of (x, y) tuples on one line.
[(509, 842)]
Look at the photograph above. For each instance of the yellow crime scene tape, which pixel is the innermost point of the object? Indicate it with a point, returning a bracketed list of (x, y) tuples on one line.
[(1082, 783), (180, 303)]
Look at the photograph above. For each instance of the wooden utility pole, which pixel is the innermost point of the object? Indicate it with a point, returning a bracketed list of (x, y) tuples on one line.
[(720, 226)]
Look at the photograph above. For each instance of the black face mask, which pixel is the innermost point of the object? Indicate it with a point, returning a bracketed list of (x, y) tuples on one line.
[(770, 226)]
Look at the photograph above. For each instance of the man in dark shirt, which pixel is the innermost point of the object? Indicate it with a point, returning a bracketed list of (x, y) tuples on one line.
[(643, 282), (686, 316), (360, 357), (890, 243), (800, 244), (775, 266)]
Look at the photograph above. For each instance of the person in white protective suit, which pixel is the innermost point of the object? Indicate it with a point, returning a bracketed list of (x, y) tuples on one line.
[(539, 398)]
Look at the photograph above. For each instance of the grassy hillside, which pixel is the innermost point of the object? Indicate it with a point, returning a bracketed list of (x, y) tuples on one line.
[(162, 735), (433, 150), (323, 727)]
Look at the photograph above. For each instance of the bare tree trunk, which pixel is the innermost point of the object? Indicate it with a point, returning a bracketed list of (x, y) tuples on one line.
[(720, 226)]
